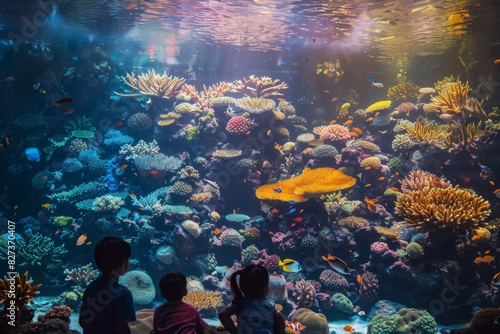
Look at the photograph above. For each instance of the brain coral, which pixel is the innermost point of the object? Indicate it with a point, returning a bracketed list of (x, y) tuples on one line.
[(372, 162), (314, 323), (139, 121), (141, 286), (405, 321), (192, 228)]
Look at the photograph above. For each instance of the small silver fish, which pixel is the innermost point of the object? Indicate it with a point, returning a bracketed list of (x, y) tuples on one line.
[(377, 84)]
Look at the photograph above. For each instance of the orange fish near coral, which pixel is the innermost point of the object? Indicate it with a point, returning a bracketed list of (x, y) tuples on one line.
[(370, 204), (348, 122), (349, 328), (353, 134), (81, 239), (333, 121), (154, 172), (357, 130), (217, 231)]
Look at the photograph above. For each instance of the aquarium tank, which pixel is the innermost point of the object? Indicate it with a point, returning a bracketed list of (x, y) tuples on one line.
[(349, 147)]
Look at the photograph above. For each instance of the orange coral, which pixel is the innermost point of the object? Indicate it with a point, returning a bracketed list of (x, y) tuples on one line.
[(311, 183)]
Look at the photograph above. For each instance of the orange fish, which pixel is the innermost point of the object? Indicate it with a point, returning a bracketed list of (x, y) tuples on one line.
[(496, 191), (281, 99), (488, 258), (46, 205), (123, 167), (478, 260), (118, 123), (275, 211), (349, 328), (369, 119), (266, 164), (154, 172), (133, 195), (357, 130), (88, 243), (81, 239), (358, 278), (10, 79), (487, 252), (353, 134), (277, 147), (335, 99), (382, 178), (368, 168), (268, 132), (377, 113), (474, 238), (217, 231), (497, 61), (370, 204), (435, 183), (394, 189), (333, 121), (492, 183), (466, 180), (348, 122), (368, 185)]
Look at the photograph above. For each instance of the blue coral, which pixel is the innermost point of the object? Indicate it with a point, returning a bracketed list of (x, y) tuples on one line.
[(115, 138), (110, 178)]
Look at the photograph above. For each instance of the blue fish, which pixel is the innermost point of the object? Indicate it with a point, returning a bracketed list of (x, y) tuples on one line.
[(32, 154), (292, 202), (371, 79), (278, 190), (292, 210)]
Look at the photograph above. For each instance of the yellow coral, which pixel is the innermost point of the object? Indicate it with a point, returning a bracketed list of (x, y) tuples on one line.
[(203, 300), (452, 98), (403, 92), (434, 208), (23, 291), (429, 133), (387, 232), (372, 162), (380, 105), (311, 183)]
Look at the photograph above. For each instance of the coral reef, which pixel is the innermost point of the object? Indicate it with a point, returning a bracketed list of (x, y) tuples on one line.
[(17, 291), (304, 293), (333, 132), (258, 86), (435, 208), (140, 285), (152, 84)]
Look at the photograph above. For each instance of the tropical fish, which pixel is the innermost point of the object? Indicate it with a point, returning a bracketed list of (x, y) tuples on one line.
[(123, 167), (118, 123), (298, 219), (296, 326), (36, 86), (357, 130), (377, 84), (10, 79), (290, 266), (278, 190), (154, 172), (292, 210), (348, 122), (370, 204), (349, 328), (496, 279), (81, 239), (497, 61), (217, 231), (335, 99), (64, 101), (46, 205), (371, 79), (337, 264), (274, 211)]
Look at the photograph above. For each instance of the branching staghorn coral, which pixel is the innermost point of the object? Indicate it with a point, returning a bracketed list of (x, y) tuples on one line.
[(84, 190), (141, 148), (35, 250), (81, 275), (259, 86), (431, 134), (440, 208), (152, 84)]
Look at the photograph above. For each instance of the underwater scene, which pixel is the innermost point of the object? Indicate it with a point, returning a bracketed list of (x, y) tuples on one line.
[(350, 147)]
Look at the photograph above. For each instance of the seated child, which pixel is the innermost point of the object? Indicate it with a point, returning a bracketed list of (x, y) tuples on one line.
[(107, 306), (175, 316), (255, 313)]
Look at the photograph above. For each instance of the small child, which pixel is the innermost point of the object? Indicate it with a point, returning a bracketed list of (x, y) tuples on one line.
[(107, 306), (175, 316), (255, 313)]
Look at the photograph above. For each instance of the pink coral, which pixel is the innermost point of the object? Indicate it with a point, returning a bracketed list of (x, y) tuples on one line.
[(334, 132), (239, 125)]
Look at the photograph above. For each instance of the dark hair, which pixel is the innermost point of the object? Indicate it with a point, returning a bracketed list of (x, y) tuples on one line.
[(110, 253), (254, 281), (173, 286)]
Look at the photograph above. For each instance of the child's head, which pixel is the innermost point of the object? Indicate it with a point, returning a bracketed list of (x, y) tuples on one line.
[(253, 283), (173, 286), (111, 254)]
